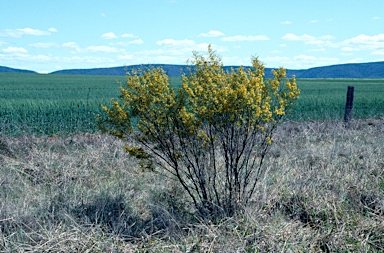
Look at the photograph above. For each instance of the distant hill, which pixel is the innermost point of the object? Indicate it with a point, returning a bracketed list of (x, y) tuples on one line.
[(170, 69), (6, 69), (350, 70)]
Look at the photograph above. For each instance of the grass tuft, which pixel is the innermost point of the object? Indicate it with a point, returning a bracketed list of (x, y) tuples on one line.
[(323, 192)]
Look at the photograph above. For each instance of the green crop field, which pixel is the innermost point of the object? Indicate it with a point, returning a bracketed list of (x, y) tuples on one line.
[(56, 104), (50, 104), (323, 99)]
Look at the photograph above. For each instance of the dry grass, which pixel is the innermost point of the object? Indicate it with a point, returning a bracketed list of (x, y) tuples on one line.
[(323, 191)]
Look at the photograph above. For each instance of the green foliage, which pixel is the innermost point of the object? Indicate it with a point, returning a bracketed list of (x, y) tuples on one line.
[(212, 135)]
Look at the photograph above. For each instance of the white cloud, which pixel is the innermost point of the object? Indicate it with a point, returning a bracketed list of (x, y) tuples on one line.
[(347, 49), (127, 35), (376, 18), (152, 52), (87, 59), (319, 49), (109, 35), (245, 38), (125, 57), (374, 44), (238, 61), (310, 40), (126, 43), (183, 48), (326, 37), (102, 49), (52, 30), (364, 42), (18, 33), (304, 57), (294, 37), (204, 47), (154, 56), (44, 45), (34, 32), (40, 58), (272, 60), (300, 61), (313, 61), (70, 44), (172, 42), (169, 51), (23, 55), (166, 59), (137, 42), (355, 60), (286, 22), (211, 33), (314, 21), (15, 50)]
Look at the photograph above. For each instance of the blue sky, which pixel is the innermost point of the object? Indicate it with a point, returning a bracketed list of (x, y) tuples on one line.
[(48, 35)]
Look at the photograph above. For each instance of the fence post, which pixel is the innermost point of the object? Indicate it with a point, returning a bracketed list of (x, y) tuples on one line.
[(349, 104)]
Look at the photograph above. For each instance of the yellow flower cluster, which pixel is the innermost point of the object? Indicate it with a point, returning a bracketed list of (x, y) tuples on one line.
[(209, 95), (241, 96), (149, 97)]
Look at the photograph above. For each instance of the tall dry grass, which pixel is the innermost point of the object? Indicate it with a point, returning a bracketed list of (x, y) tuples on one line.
[(323, 191)]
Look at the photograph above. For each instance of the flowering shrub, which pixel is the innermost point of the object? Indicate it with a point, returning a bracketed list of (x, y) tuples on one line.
[(211, 135)]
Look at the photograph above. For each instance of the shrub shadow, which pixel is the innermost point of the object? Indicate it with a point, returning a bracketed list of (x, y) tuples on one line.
[(115, 215)]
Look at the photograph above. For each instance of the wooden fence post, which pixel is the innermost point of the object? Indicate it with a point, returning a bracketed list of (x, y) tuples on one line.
[(349, 104)]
